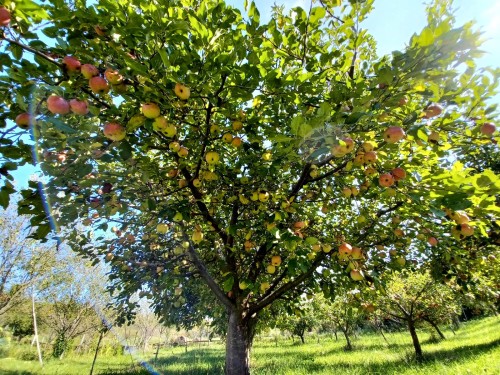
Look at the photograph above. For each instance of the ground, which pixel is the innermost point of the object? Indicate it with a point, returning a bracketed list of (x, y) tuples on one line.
[(475, 349)]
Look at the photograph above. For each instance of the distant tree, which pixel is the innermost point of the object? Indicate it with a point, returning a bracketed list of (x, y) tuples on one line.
[(300, 320), (24, 262), (413, 298)]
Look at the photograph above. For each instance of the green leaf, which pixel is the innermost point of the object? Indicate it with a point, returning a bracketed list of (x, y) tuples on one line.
[(227, 285), (317, 13), (426, 37)]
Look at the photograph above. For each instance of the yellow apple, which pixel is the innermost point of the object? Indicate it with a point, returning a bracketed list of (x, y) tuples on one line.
[(182, 92)]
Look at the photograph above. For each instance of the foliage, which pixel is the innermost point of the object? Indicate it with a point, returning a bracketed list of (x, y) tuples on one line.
[(284, 139)]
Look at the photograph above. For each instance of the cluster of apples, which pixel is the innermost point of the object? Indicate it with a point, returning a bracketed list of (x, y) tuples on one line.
[(352, 254), (275, 262)]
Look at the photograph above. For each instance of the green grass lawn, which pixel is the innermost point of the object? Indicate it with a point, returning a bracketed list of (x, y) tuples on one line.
[(475, 349)]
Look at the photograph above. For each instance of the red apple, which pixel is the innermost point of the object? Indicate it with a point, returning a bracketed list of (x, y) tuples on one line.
[(345, 249), (488, 128), (98, 85), (432, 241), (398, 174), (4, 16), (24, 120), (433, 110), (72, 64), (466, 230), (79, 107), (356, 275), (89, 71), (57, 105), (394, 134), (386, 180), (370, 157), (114, 131), (113, 76)]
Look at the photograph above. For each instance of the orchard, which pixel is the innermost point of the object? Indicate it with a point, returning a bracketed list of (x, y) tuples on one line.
[(219, 164)]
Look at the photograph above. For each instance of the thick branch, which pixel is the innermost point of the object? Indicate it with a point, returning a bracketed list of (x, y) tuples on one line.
[(32, 50)]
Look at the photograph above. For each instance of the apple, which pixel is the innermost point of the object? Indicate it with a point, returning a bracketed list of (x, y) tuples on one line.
[(356, 275), (98, 85), (432, 241), (248, 245), (276, 260), (236, 142), (183, 183), (161, 124), (79, 107), (338, 151), (242, 285), (394, 134), (113, 76), (488, 128), (399, 232), (57, 105), (150, 110), (370, 157), (228, 138), (263, 196), (114, 131), (356, 253), (109, 257), (369, 146), (89, 71), (460, 217), (354, 191), (197, 183), (183, 152), (237, 125), (370, 171), (177, 217), (386, 180), (398, 174), (299, 225), (433, 110), (400, 261), (359, 159), (71, 64), (345, 249), (347, 192), (214, 129), (271, 269), (4, 16), (162, 228), (197, 236), (466, 230), (24, 120), (327, 248), (267, 156), (182, 91), (212, 157), (173, 172), (174, 147), (348, 145)]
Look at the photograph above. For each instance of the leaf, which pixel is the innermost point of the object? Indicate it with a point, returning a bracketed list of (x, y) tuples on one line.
[(227, 285), (317, 13), (426, 38), (4, 198)]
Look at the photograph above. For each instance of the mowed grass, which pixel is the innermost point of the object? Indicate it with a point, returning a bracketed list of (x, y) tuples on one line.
[(475, 349)]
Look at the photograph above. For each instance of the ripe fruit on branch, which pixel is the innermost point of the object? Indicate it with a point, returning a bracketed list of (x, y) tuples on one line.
[(71, 64), (347, 192), (114, 131), (24, 120), (228, 137), (394, 134), (398, 174), (197, 236), (399, 232), (174, 147), (369, 146), (386, 180), (432, 241), (271, 269), (488, 128), (98, 85), (267, 156), (345, 249), (263, 196), (433, 110), (466, 230), (57, 105), (356, 275), (113, 76), (249, 245), (356, 253), (4, 16), (460, 217), (370, 157), (299, 225), (236, 142), (79, 107), (276, 260), (182, 92), (237, 125), (162, 125), (212, 157), (150, 110), (183, 152), (89, 71)]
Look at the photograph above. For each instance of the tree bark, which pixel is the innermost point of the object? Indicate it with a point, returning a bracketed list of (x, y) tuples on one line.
[(436, 327), (239, 339), (348, 345), (416, 343)]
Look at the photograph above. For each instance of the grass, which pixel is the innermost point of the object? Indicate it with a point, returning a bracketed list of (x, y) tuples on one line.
[(475, 349)]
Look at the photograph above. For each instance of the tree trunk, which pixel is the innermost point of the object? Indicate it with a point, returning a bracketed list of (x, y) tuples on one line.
[(435, 326), (238, 343), (416, 343), (96, 352), (348, 345), (302, 338)]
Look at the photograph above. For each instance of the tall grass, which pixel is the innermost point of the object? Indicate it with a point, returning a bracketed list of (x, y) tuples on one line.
[(475, 349)]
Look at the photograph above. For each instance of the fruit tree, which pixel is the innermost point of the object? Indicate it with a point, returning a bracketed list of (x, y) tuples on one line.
[(195, 148)]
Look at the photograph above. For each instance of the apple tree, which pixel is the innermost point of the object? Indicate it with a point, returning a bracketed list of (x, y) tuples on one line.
[(213, 159)]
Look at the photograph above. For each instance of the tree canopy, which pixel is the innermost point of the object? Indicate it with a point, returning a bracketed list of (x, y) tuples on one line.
[(183, 141)]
